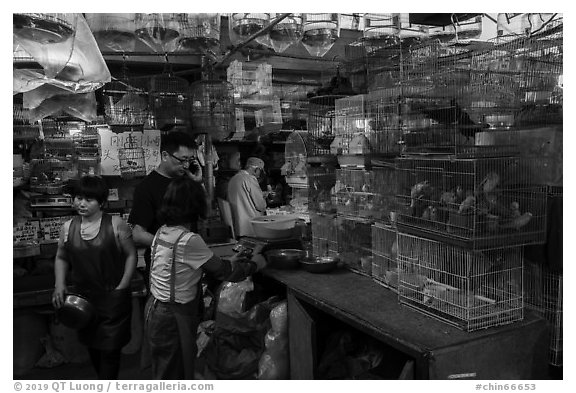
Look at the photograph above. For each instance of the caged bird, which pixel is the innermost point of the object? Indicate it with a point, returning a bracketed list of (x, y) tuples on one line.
[(419, 194), (488, 184), (518, 222), (452, 115), (467, 204)]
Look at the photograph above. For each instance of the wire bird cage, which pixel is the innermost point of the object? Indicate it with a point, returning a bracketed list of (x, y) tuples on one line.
[(22, 126), (213, 108), (125, 106), (321, 117), (295, 158), (367, 127), (132, 161), (467, 289), (479, 204), (369, 194), (169, 100), (115, 32), (355, 244), (199, 33), (250, 80), (321, 181), (324, 234), (384, 255), (543, 294), (49, 175)]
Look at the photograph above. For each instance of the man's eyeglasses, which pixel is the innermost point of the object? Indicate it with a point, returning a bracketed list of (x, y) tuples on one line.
[(183, 161)]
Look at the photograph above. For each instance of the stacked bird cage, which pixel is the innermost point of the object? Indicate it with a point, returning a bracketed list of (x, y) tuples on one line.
[(367, 127), (321, 118), (355, 243), (467, 289), (22, 127), (251, 81), (169, 100), (369, 194), (543, 294), (213, 108), (295, 157), (321, 182), (384, 255), (476, 203), (324, 234)]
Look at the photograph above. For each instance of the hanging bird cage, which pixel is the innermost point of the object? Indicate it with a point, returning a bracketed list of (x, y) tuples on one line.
[(321, 117), (286, 33), (320, 32), (113, 32), (169, 100), (132, 163), (295, 157), (200, 33), (213, 108), (159, 31), (243, 25), (125, 106), (44, 28)]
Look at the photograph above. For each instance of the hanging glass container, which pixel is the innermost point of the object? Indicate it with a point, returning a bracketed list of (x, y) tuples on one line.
[(158, 31), (113, 32), (200, 33), (243, 25), (320, 32), (287, 32), (213, 108)]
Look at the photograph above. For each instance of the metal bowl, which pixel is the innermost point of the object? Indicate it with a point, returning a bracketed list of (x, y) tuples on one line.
[(319, 264), (284, 258), (76, 312)]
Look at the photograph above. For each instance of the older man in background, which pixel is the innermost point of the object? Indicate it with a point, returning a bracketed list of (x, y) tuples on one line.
[(246, 197)]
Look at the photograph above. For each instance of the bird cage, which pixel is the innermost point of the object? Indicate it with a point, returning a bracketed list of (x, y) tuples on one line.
[(125, 106), (213, 108), (369, 194), (467, 289), (44, 28), (113, 32), (355, 243), (478, 204), (48, 175), (320, 32), (287, 32), (169, 100), (22, 126), (132, 162), (543, 294), (384, 255), (295, 154), (200, 33), (242, 25), (321, 181), (324, 234), (159, 31), (321, 117)]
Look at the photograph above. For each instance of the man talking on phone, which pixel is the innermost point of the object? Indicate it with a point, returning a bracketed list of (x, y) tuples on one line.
[(178, 158)]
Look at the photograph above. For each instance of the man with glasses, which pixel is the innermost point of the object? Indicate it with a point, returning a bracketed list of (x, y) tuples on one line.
[(246, 197), (178, 158)]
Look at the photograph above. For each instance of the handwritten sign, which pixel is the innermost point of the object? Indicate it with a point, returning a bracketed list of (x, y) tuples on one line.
[(50, 228), (26, 231), (111, 142)]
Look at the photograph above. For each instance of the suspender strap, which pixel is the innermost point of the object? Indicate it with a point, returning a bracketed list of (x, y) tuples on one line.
[(173, 269)]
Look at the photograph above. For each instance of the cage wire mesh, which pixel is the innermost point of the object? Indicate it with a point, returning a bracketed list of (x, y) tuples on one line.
[(251, 80), (467, 289), (321, 117), (132, 162), (324, 234), (355, 243), (369, 194), (213, 108), (543, 294), (169, 99), (321, 181), (126, 107), (384, 255), (481, 203)]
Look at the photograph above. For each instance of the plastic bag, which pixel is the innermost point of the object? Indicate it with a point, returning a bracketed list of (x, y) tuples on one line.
[(279, 317), (80, 106), (75, 64), (232, 296), (272, 367)]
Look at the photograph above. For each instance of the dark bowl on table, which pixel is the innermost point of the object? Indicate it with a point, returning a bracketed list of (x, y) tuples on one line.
[(284, 258), (319, 264)]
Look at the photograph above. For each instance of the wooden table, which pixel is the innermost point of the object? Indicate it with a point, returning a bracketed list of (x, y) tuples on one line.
[(439, 351)]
